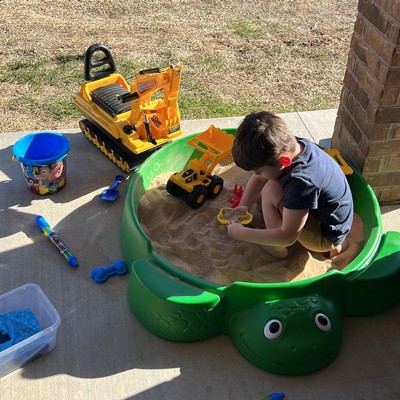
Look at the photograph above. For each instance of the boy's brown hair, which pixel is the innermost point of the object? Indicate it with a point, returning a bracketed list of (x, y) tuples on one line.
[(260, 138)]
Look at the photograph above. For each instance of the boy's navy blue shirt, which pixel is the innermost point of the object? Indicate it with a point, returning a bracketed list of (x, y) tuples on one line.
[(314, 181)]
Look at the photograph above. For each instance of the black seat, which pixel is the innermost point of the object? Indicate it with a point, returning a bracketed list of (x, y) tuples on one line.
[(108, 98)]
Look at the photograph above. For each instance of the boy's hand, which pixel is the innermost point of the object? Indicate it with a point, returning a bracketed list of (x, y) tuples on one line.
[(236, 231)]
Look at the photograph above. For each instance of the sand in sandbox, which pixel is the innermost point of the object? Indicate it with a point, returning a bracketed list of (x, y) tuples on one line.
[(196, 242)]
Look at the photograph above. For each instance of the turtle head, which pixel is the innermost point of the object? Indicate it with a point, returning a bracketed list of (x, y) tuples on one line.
[(289, 336)]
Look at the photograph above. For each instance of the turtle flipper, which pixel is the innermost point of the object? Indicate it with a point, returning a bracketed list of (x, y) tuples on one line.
[(171, 308), (376, 288)]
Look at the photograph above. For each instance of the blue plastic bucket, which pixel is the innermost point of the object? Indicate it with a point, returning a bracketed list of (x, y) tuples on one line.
[(43, 159)]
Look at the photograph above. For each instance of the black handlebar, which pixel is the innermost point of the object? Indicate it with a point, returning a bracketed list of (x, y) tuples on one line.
[(106, 61), (156, 70), (127, 97)]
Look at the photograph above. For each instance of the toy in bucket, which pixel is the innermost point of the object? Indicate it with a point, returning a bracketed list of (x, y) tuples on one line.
[(43, 159)]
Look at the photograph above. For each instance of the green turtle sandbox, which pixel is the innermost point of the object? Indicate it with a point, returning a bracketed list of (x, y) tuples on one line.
[(288, 328)]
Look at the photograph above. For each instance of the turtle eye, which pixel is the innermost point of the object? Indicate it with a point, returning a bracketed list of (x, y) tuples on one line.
[(273, 329), (323, 322)]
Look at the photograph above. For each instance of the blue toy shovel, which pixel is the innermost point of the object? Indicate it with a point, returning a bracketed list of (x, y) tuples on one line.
[(112, 193)]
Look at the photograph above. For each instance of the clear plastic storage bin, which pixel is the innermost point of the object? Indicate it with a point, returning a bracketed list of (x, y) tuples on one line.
[(29, 296)]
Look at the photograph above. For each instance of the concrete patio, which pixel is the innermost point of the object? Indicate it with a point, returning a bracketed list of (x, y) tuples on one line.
[(103, 352)]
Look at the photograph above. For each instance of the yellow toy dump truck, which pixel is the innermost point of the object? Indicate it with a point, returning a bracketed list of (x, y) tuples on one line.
[(128, 122), (197, 182)]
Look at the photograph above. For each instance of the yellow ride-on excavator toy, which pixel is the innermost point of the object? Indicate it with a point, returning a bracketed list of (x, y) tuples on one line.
[(128, 122)]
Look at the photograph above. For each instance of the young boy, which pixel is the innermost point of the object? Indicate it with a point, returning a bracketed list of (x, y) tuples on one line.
[(303, 193)]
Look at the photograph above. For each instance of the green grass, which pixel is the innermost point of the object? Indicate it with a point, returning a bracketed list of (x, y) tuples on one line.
[(23, 72), (58, 72), (237, 56), (248, 29), (61, 107), (50, 85), (193, 107), (251, 30), (66, 72), (213, 63), (26, 101)]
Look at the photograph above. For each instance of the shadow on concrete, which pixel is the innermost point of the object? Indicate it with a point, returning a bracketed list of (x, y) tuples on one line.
[(82, 159), (80, 180), (389, 208)]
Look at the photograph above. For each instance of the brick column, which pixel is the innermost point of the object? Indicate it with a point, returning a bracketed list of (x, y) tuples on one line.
[(367, 129)]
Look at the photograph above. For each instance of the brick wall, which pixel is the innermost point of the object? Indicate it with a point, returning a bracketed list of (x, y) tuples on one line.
[(367, 129)]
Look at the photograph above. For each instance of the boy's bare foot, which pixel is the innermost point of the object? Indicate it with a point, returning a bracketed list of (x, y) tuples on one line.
[(339, 249), (277, 252)]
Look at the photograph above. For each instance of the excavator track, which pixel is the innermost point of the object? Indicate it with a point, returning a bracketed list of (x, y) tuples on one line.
[(127, 162)]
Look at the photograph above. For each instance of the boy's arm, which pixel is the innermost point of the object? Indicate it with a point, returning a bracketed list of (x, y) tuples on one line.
[(252, 190), (293, 222)]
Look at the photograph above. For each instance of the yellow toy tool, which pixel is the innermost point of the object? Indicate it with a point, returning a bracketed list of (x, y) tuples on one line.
[(335, 154), (197, 182), (128, 122), (238, 214)]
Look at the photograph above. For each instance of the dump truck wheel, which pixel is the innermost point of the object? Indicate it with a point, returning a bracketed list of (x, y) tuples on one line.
[(173, 188), (196, 198), (215, 187)]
